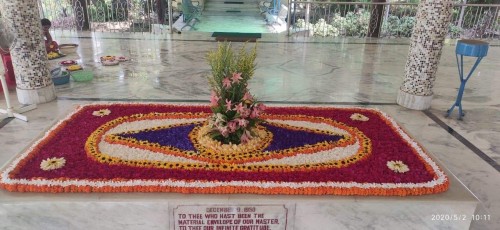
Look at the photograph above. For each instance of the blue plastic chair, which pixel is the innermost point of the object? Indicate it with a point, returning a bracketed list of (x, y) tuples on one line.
[(471, 48)]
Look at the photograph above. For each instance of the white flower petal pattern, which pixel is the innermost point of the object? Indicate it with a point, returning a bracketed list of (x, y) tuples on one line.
[(52, 163), (101, 113), (398, 166), (359, 117)]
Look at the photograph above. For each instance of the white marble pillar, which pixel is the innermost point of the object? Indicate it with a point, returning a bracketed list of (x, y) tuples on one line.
[(29, 58), (433, 18)]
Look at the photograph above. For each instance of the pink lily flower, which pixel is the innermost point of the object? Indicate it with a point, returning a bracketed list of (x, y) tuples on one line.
[(226, 83), (236, 77), (245, 113), (242, 122), (214, 99), (232, 125), (239, 107), (255, 113), (228, 104), (247, 96), (224, 131), (244, 138)]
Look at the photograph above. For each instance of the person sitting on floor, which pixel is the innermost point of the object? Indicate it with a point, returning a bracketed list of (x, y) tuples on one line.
[(50, 45)]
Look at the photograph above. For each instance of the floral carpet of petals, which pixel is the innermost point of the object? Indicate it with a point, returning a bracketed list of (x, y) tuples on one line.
[(163, 148)]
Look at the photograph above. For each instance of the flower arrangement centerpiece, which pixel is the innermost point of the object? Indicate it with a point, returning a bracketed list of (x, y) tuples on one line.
[(235, 111)]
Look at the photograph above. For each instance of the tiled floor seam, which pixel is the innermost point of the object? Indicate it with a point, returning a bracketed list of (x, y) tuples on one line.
[(463, 140)]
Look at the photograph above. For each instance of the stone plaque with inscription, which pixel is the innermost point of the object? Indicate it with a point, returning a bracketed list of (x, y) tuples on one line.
[(230, 217)]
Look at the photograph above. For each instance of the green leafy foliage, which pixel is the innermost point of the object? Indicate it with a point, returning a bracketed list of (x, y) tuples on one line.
[(399, 27)]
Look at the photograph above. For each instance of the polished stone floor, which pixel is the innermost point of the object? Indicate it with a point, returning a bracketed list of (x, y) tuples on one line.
[(295, 70)]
